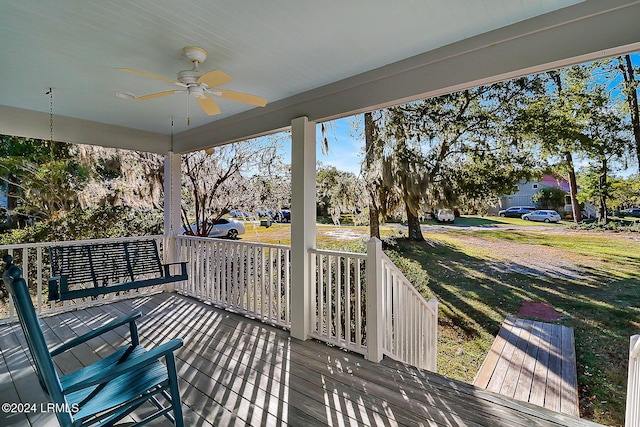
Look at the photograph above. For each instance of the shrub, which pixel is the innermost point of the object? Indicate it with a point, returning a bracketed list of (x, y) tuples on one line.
[(81, 224)]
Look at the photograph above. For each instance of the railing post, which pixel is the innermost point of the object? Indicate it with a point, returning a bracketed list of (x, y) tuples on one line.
[(432, 363), (374, 300), (632, 418), (303, 222)]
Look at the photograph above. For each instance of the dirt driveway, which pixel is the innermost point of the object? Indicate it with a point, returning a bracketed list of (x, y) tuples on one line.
[(535, 260)]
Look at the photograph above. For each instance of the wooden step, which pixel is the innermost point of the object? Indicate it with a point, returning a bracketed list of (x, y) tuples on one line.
[(533, 362)]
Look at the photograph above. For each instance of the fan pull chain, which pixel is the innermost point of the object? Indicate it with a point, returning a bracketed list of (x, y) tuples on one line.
[(188, 118)]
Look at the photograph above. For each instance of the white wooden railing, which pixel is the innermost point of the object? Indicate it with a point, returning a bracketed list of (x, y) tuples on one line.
[(337, 293), (410, 323), (632, 418), (33, 258), (250, 278), (362, 302)]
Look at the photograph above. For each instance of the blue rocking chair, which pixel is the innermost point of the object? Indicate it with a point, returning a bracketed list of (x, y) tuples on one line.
[(107, 391)]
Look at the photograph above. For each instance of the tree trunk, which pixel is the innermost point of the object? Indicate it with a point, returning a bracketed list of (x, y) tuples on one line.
[(631, 95), (374, 214), (602, 192), (573, 189), (12, 201), (415, 233)]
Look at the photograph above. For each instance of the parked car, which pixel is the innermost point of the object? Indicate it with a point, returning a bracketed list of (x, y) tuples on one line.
[(284, 215), (238, 214), (542, 215), (633, 212), (224, 227), (445, 215), (516, 211)]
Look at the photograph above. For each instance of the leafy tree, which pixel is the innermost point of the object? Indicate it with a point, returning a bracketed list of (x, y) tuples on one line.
[(233, 176), (555, 121), (372, 172), (549, 198), (606, 142), (624, 192), (630, 72), (339, 192), (40, 177), (121, 178), (431, 145)]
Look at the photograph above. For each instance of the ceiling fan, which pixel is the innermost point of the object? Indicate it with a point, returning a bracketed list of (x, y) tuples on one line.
[(198, 84)]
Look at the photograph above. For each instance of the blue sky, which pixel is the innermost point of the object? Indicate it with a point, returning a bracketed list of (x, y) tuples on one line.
[(345, 145)]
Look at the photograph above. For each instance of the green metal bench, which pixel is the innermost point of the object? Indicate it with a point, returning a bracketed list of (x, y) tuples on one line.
[(79, 271), (107, 391)]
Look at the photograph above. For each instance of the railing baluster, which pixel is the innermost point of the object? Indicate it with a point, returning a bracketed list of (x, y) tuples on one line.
[(39, 278), (279, 283), (632, 418), (338, 310), (359, 303), (270, 290), (287, 285), (347, 300)]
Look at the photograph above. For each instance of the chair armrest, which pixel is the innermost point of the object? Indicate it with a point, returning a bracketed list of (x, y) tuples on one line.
[(129, 365), (53, 283), (183, 268), (175, 263), (131, 318)]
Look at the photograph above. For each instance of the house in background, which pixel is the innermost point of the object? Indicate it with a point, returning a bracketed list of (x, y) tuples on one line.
[(526, 189)]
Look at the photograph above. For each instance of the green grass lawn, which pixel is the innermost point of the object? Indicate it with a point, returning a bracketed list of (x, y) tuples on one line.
[(602, 304), (494, 221)]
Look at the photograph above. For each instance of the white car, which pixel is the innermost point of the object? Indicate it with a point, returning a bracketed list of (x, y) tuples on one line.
[(224, 227), (542, 215), (445, 215)]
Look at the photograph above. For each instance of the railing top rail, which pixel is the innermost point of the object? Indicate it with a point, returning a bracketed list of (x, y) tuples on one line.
[(338, 253), (233, 242), (408, 284), (78, 242)]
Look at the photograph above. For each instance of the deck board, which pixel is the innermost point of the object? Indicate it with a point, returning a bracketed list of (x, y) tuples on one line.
[(534, 362), (237, 371)]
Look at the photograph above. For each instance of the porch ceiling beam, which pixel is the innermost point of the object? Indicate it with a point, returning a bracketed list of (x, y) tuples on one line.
[(589, 30), (34, 124)]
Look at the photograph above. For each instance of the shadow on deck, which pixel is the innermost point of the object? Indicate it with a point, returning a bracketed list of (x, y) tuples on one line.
[(238, 371)]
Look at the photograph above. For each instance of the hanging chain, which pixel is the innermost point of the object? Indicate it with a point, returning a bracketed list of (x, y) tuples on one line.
[(50, 93)]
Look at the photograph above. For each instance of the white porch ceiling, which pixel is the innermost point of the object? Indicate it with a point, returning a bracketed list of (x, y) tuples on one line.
[(323, 59)]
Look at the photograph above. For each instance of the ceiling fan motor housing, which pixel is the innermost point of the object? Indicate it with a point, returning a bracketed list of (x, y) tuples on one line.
[(189, 77), (197, 91)]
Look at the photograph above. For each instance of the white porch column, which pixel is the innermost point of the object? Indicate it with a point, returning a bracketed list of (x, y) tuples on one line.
[(374, 301), (172, 200), (303, 221)]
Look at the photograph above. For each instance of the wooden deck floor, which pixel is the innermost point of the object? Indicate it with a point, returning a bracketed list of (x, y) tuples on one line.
[(237, 371), (533, 362)]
